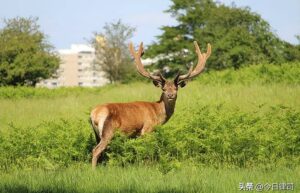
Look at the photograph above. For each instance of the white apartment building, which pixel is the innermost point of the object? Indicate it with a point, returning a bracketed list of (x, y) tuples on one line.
[(77, 68)]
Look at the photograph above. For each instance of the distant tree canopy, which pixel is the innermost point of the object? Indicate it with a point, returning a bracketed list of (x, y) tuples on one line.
[(238, 36), (112, 55), (25, 55)]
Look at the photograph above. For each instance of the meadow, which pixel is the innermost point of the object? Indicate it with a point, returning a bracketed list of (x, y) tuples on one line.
[(140, 179), (228, 127)]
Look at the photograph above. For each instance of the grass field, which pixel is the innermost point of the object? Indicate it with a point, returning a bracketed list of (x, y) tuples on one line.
[(144, 179), (228, 127), (31, 111)]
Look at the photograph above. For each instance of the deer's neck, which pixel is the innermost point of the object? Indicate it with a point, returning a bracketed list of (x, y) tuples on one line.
[(167, 107)]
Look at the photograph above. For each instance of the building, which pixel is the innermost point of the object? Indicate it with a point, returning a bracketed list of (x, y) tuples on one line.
[(77, 68)]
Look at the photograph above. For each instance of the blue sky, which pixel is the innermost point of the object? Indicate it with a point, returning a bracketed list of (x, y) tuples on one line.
[(73, 21)]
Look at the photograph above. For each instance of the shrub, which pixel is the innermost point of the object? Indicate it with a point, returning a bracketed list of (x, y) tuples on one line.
[(215, 135)]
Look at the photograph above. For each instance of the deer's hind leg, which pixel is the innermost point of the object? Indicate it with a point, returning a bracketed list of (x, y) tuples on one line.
[(107, 135)]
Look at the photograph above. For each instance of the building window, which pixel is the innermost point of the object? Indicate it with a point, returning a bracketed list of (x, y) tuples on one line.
[(54, 83), (86, 52), (79, 70), (79, 56), (94, 81), (79, 63), (80, 83)]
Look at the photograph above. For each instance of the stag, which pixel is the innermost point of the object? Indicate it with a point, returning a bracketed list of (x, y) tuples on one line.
[(141, 117)]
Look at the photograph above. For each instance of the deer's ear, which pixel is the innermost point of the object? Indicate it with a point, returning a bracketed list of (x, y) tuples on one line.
[(178, 82), (182, 84), (158, 83)]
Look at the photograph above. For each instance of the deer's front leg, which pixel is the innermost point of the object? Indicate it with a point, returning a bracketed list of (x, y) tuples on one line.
[(146, 129)]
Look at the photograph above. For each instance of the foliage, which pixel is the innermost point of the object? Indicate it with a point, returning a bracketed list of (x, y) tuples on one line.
[(112, 54), (48, 145), (218, 136), (260, 74), (238, 36), (29, 92), (141, 179), (219, 121), (215, 135), (25, 55)]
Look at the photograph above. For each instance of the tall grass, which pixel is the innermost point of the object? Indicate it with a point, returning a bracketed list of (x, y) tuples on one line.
[(216, 123), (264, 74), (228, 127), (141, 179)]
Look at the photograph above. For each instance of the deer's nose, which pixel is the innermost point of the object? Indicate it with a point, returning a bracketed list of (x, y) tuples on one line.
[(170, 95)]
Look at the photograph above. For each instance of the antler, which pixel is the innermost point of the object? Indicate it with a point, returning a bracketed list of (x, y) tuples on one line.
[(140, 67), (199, 67)]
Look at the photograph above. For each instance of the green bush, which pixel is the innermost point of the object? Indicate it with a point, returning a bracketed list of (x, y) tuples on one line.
[(244, 118), (48, 145), (214, 135), (259, 74)]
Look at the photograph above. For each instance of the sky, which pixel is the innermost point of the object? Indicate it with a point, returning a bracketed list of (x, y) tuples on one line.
[(73, 21)]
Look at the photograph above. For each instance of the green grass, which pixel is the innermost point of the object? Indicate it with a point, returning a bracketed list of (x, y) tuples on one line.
[(228, 127), (142, 179), (31, 111), (247, 88)]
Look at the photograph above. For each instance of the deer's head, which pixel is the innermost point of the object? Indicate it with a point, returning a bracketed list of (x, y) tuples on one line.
[(170, 87)]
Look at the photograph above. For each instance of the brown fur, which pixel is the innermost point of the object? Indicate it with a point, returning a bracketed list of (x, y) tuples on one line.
[(131, 118), (141, 117)]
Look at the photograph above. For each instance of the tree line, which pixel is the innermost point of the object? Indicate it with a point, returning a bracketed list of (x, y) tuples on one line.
[(239, 38)]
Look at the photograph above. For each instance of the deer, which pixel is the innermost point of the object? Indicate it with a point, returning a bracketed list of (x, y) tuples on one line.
[(141, 117)]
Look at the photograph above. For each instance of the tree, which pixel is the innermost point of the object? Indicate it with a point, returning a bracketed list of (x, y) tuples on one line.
[(238, 36), (112, 53), (25, 55)]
